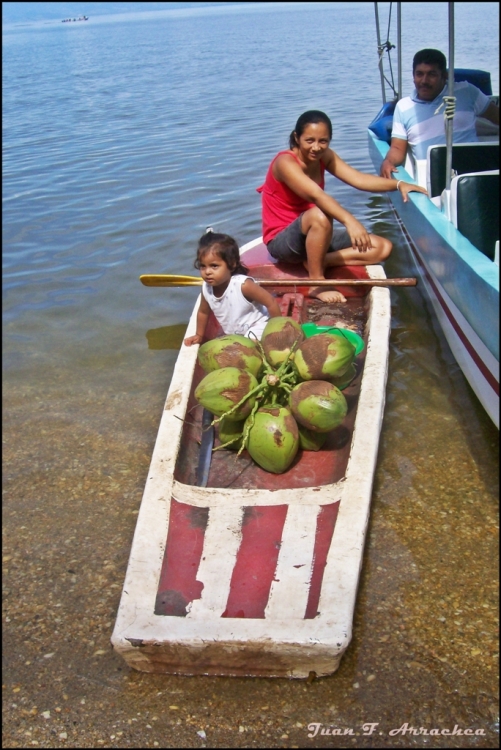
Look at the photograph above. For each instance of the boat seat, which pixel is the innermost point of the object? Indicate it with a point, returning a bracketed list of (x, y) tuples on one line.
[(479, 78), (475, 209), (466, 158)]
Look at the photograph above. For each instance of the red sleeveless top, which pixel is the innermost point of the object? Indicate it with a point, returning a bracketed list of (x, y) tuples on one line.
[(281, 206)]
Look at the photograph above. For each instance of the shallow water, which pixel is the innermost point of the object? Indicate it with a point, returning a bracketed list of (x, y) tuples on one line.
[(123, 140)]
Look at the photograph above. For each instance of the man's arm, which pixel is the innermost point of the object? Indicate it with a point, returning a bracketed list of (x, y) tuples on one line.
[(394, 158), (491, 113)]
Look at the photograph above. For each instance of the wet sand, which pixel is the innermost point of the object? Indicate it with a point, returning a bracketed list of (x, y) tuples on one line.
[(425, 641)]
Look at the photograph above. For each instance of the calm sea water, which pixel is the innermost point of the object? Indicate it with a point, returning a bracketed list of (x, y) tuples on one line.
[(123, 139)]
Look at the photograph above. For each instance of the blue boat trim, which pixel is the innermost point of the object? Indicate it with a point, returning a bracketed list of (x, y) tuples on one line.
[(491, 380)]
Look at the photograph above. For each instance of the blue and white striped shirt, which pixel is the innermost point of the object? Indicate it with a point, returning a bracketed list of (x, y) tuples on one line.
[(415, 120)]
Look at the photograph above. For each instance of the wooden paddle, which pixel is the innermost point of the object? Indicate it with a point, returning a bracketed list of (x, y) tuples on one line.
[(163, 279)]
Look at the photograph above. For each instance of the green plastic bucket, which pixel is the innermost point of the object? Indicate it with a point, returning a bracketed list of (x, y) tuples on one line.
[(310, 329)]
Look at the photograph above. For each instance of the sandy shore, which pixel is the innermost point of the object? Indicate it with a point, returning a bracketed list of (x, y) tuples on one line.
[(425, 636)]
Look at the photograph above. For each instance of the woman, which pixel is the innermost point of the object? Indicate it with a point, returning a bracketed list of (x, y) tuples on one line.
[(298, 214)]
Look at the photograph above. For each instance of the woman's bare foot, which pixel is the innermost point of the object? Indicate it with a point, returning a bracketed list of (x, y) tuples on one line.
[(327, 295), (331, 296)]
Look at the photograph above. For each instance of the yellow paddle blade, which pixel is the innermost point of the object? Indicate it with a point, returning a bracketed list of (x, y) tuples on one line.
[(163, 279)]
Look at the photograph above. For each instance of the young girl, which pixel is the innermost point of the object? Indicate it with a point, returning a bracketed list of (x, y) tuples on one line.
[(239, 304)]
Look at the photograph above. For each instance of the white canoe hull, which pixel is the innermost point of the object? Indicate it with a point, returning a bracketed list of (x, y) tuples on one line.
[(281, 641)]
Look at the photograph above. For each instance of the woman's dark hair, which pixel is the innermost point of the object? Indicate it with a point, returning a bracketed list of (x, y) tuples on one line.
[(313, 116), (430, 57), (225, 247)]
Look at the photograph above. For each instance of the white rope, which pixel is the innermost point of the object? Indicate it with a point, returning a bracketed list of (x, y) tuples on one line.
[(382, 48), (450, 107)]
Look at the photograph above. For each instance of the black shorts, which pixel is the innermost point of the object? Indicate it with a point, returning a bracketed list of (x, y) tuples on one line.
[(289, 245)]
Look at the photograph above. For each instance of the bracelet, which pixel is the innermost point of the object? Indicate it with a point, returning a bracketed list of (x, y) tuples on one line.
[(398, 183)]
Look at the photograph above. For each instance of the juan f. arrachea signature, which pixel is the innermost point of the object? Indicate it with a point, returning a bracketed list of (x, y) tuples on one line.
[(370, 727)]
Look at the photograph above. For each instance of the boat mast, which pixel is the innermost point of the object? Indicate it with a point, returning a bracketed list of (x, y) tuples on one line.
[(399, 46), (450, 93)]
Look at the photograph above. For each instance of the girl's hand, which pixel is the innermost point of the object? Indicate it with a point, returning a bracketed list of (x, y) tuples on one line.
[(196, 339), (406, 187), (360, 237), (202, 318)]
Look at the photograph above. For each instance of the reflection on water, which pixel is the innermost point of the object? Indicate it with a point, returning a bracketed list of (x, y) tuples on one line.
[(167, 337)]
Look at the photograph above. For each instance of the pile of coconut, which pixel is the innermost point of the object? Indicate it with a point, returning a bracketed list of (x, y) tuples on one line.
[(275, 396)]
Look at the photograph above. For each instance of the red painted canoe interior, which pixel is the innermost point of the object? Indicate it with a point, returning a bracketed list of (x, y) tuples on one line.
[(310, 468)]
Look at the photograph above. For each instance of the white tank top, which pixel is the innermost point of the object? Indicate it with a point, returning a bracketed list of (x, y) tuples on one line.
[(233, 312)]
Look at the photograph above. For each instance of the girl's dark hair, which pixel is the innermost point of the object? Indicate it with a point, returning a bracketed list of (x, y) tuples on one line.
[(307, 118), (225, 247)]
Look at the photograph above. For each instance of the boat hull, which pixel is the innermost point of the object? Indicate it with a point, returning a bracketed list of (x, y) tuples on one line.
[(253, 575), (462, 284)]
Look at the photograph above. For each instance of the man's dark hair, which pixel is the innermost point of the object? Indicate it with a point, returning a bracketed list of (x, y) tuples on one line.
[(430, 57)]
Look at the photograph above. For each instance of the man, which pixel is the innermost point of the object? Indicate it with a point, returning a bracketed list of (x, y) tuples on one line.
[(416, 122)]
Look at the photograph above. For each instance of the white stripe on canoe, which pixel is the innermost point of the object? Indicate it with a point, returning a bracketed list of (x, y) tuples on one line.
[(214, 497), (291, 585), (221, 543)]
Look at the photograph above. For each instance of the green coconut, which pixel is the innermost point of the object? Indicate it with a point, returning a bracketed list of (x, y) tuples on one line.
[(278, 338), (344, 380), (231, 431), (221, 390), (231, 350), (323, 356), (273, 439), (318, 405), (309, 440)]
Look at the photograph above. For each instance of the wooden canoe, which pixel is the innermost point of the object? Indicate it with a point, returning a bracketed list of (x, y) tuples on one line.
[(256, 574)]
